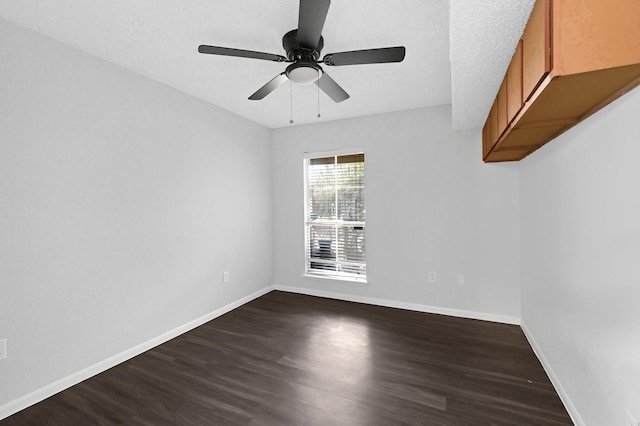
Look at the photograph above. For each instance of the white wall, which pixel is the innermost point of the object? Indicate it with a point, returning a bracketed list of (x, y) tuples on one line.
[(122, 202), (580, 219), (432, 205)]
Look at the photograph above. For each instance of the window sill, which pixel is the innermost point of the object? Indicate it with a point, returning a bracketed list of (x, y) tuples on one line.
[(354, 281)]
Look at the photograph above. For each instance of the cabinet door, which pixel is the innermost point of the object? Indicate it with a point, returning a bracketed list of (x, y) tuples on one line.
[(594, 35), (514, 85), (490, 131), (501, 109), (493, 124), (486, 144), (536, 49)]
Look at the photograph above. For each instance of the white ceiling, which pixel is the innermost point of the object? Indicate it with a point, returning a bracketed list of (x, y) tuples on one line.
[(484, 35), (457, 50)]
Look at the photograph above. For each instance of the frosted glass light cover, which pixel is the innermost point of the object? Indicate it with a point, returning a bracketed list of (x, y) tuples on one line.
[(304, 75)]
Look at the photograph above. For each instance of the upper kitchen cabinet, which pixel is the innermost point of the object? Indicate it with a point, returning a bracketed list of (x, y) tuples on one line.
[(575, 57)]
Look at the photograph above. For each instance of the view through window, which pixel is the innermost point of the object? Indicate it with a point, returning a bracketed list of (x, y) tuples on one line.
[(335, 216)]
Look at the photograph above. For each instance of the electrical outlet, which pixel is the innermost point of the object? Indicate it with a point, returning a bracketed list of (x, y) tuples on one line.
[(3, 348), (630, 420), (433, 277), (225, 277), (460, 279)]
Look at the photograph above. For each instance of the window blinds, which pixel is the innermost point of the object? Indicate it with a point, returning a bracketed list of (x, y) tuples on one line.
[(335, 216)]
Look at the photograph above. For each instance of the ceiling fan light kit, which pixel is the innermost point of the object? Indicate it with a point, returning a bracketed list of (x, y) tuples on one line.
[(304, 72), (303, 46)]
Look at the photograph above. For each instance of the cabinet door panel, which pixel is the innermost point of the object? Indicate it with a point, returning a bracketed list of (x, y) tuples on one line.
[(536, 55), (595, 34), (493, 124), (502, 108), (486, 147), (514, 85)]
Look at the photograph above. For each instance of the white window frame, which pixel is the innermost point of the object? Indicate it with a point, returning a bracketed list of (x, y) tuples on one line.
[(328, 274)]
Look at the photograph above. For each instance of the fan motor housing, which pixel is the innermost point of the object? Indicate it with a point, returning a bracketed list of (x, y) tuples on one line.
[(295, 52)]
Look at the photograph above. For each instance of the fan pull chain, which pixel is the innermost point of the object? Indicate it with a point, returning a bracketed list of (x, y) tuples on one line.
[(318, 84), (291, 100)]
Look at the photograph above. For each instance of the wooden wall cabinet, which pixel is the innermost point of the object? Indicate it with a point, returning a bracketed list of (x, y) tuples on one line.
[(574, 58)]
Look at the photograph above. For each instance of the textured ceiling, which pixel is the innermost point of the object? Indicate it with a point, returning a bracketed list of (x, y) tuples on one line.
[(159, 39), (484, 35)]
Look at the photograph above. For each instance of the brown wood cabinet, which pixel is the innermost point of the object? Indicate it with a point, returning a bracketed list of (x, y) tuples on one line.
[(575, 57)]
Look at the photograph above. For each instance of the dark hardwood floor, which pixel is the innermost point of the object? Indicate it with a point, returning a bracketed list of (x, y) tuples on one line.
[(289, 359)]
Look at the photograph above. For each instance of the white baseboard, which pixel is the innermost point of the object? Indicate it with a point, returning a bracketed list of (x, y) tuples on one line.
[(402, 305), (564, 397), (73, 379), (65, 383)]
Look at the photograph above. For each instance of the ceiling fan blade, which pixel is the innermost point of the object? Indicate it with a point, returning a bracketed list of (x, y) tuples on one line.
[(332, 89), (226, 51), (310, 22), (272, 85), (369, 56)]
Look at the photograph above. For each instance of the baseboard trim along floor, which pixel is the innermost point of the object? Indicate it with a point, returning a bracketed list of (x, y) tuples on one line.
[(292, 359), (555, 381), (564, 397), (73, 379), (505, 319), (62, 384)]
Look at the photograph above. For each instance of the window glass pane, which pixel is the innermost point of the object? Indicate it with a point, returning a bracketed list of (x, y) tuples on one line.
[(322, 160), (351, 158), (350, 191), (360, 270), (351, 244), (322, 247), (321, 190)]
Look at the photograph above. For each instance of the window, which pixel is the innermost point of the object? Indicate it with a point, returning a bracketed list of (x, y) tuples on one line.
[(335, 216)]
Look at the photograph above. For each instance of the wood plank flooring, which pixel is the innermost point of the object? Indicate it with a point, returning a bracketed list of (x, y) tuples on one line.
[(289, 359)]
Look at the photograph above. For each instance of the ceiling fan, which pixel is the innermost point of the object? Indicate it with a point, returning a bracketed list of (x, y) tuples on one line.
[(303, 47)]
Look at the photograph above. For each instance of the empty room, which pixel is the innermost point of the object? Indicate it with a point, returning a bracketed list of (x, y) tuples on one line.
[(315, 212)]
